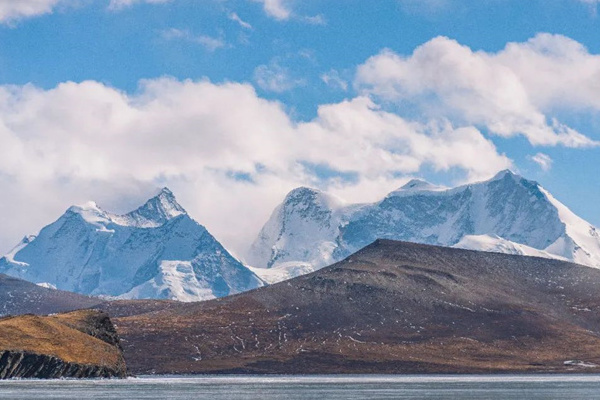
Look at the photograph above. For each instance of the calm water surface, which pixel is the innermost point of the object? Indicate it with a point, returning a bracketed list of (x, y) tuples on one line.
[(479, 387)]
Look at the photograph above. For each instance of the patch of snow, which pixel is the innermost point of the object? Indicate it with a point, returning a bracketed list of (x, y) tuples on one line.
[(176, 280), (579, 363), (282, 272), (46, 285), (581, 242)]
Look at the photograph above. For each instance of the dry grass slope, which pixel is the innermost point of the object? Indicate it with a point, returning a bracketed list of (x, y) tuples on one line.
[(85, 338)]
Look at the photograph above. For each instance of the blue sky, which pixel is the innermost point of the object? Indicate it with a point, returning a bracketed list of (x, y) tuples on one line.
[(274, 64)]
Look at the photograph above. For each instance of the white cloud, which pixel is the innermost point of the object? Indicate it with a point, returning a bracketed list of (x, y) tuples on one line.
[(274, 77), (11, 10), (510, 92), (281, 11), (120, 4), (543, 160), (333, 80), (234, 17), (318, 19), (83, 141), (208, 42), (277, 9)]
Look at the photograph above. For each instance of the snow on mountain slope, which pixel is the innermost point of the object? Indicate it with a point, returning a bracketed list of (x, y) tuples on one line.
[(175, 280), (90, 251), (495, 244), (580, 239), (302, 228), (283, 271), (506, 213)]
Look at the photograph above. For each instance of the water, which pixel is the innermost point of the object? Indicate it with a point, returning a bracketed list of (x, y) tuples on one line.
[(480, 387)]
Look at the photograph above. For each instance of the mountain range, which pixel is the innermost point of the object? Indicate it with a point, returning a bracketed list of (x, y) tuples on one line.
[(155, 251), (506, 214), (158, 251)]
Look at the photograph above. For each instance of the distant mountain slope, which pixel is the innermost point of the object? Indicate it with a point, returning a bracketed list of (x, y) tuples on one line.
[(156, 251), (393, 307), (22, 297), (508, 213)]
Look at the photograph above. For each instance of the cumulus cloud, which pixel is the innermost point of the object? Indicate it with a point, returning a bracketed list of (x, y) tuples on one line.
[(228, 154), (11, 10), (543, 160), (509, 93)]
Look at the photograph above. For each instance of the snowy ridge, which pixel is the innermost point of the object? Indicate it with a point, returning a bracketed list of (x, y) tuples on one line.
[(580, 241), (417, 185), (507, 214), (155, 212), (495, 244), (10, 257), (156, 251)]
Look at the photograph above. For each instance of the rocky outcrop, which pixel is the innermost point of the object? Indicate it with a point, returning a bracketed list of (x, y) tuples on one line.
[(19, 364), (80, 344)]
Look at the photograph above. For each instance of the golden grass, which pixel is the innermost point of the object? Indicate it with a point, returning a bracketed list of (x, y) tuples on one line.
[(50, 336)]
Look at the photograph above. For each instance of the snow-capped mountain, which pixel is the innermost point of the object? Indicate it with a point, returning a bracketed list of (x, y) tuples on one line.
[(155, 251), (507, 214)]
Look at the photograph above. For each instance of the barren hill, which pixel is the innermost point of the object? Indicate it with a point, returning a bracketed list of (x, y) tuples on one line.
[(393, 307)]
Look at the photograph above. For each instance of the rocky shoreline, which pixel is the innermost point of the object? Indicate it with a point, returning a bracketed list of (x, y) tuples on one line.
[(15, 364)]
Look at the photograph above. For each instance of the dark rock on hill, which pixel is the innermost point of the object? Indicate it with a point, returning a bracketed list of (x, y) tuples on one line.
[(20, 364), (81, 344), (21, 297), (393, 307)]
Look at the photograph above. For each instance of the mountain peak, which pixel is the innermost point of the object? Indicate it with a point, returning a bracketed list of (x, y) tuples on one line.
[(165, 200), (157, 210), (90, 212), (87, 206), (504, 173), (302, 192), (165, 191), (418, 184), (309, 197)]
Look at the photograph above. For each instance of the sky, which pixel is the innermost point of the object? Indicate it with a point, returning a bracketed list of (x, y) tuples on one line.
[(233, 103)]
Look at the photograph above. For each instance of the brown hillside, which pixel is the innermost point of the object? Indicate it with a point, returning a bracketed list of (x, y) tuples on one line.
[(393, 307)]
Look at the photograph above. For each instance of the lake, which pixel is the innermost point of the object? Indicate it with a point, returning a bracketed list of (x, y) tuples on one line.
[(320, 387)]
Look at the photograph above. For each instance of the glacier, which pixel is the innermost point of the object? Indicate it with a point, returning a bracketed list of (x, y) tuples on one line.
[(156, 251), (507, 214)]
